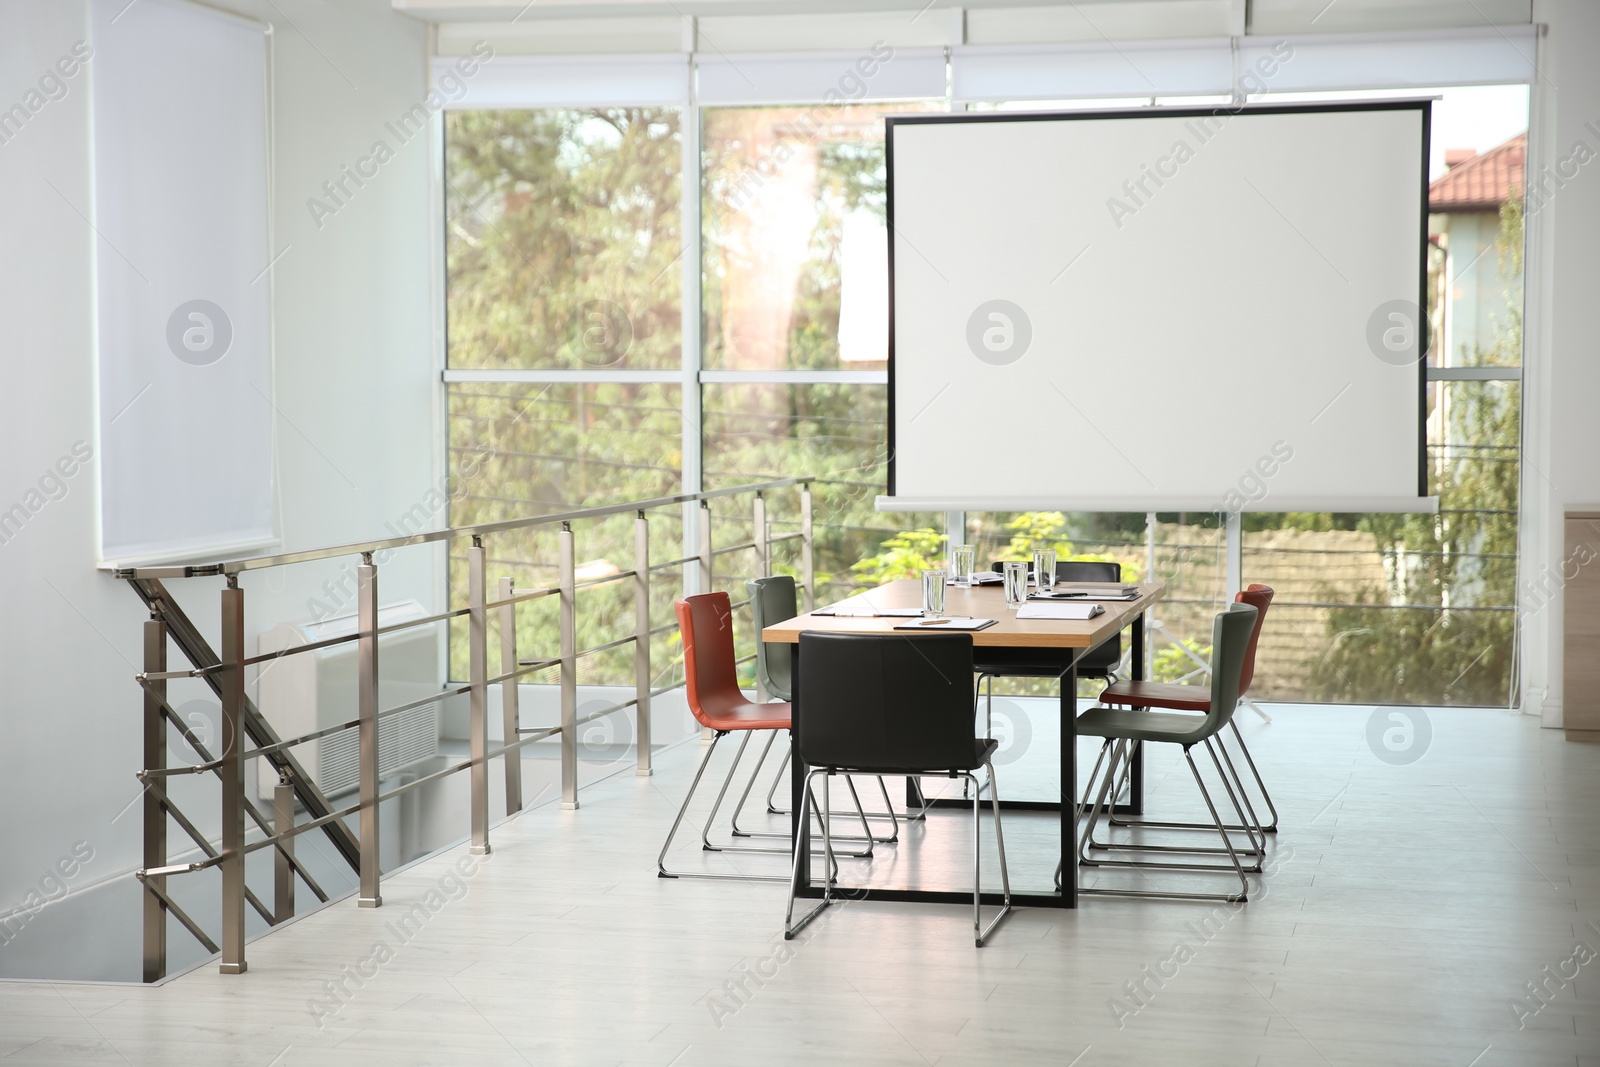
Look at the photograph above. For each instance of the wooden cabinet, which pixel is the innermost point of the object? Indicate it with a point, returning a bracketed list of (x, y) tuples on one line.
[(1580, 658)]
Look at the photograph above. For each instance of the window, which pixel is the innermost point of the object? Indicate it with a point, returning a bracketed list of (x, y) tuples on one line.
[(567, 387)]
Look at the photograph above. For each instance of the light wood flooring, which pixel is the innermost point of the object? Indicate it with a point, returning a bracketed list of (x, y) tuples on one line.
[(1410, 908)]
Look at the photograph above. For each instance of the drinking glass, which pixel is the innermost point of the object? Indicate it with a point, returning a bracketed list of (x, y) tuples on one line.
[(1044, 569), (933, 593), (1016, 579), (961, 559)]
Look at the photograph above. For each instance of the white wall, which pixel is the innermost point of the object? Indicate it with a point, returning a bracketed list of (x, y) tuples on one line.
[(1562, 430), (355, 382)]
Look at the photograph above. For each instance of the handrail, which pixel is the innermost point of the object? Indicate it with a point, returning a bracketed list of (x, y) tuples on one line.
[(225, 671), (252, 563)]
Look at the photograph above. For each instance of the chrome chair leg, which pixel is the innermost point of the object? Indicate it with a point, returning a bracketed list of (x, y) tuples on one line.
[(894, 820), (661, 860), (705, 833), (979, 931), (1236, 866), (1239, 827), (790, 927), (1256, 848)]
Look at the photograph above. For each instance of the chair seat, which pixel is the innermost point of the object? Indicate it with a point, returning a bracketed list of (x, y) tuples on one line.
[(982, 749), (1140, 725), (1158, 695), (748, 715)]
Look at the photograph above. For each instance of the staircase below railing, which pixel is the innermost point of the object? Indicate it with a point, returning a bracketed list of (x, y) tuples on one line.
[(296, 793)]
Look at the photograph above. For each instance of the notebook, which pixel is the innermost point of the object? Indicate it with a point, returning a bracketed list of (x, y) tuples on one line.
[(1072, 611), (854, 611)]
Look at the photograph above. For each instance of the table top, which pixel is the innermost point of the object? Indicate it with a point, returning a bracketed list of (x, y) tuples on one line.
[(985, 601)]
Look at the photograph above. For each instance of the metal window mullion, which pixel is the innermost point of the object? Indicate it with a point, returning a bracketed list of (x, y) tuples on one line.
[(693, 448)]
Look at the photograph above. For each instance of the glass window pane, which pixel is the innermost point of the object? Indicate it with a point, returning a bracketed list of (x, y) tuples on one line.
[(834, 433), (1403, 609), (563, 238), (796, 258)]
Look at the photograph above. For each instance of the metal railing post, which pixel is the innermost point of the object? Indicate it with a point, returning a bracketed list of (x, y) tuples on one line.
[(283, 867), (155, 812), (707, 561), (707, 572), (569, 670), (759, 529), (231, 773), (510, 708), (367, 732), (478, 696), (641, 642), (808, 572)]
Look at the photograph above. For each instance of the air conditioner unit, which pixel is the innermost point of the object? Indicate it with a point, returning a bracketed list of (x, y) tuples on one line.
[(314, 690)]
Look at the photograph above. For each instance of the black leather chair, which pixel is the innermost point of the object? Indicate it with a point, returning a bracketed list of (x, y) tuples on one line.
[(891, 704), (1099, 662)]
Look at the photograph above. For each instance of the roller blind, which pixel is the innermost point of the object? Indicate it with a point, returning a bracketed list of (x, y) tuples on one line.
[(881, 72), (182, 291)]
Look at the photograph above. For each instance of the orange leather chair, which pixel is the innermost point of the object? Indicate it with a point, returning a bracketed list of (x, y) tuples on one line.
[(717, 703)]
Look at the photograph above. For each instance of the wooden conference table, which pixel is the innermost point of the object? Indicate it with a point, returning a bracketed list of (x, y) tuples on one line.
[(1032, 643)]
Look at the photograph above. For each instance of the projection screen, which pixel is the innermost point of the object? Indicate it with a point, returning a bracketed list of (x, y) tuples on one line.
[(1159, 310)]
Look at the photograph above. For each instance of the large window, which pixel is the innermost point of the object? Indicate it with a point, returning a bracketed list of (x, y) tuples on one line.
[(569, 385)]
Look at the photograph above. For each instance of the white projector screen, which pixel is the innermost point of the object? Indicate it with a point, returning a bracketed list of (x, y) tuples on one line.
[(1159, 310)]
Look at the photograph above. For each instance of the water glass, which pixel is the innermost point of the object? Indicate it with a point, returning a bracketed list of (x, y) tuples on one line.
[(1016, 581), (1044, 569), (933, 593), (962, 558)]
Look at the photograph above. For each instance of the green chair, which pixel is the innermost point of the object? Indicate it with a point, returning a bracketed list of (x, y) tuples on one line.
[(772, 600), (1123, 728)]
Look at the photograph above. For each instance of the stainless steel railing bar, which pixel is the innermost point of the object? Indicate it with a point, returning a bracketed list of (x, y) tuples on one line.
[(238, 566)]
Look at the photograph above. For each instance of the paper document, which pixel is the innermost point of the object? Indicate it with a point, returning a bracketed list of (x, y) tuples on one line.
[(1079, 611), (846, 610), (1074, 595), (947, 623)]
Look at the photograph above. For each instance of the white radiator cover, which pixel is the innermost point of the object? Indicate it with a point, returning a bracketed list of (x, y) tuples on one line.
[(315, 690)]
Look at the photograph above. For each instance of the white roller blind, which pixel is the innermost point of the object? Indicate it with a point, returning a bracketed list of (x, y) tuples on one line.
[(881, 72), (1092, 70), (1493, 56), (183, 297), (1106, 69), (503, 81)]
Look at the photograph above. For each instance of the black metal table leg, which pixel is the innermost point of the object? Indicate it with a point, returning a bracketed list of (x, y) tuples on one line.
[(1069, 783)]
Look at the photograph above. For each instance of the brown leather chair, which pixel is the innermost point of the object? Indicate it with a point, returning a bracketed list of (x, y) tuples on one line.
[(711, 682)]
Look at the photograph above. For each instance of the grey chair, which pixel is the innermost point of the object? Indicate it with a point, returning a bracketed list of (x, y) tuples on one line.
[(772, 600), (1123, 728), (888, 704)]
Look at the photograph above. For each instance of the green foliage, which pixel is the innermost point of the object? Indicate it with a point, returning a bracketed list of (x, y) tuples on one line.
[(905, 555), (1457, 569)]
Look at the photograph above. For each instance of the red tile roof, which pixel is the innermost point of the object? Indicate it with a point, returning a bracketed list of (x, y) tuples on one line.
[(1481, 183)]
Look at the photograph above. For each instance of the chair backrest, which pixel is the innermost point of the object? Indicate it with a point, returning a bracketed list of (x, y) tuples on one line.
[(1077, 570), (886, 702), (710, 675), (1260, 597), (1230, 637), (1088, 570), (772, 600)]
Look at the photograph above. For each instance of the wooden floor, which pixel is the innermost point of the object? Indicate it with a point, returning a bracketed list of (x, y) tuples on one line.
[(1412, 912)]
